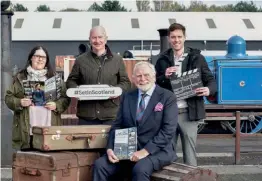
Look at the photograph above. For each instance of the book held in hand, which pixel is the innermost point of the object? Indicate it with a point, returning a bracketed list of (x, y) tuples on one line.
[(125, 143), (41, 92), (184, 84)]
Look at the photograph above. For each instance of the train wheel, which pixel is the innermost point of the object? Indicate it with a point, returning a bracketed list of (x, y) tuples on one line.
[(250, 124)]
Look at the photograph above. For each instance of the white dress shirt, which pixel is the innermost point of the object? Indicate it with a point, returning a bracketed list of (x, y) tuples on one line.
[(147, 98)]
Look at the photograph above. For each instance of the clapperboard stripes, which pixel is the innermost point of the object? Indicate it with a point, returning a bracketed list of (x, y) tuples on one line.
[(184, 84)]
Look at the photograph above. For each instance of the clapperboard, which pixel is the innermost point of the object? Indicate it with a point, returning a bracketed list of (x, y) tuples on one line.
[(184, 84)]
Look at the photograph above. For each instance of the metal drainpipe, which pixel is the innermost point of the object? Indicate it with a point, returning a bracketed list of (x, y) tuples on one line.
[(6, 80)]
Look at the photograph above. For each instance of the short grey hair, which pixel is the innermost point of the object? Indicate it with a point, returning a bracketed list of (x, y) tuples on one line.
[(98, 28), (151, 66)]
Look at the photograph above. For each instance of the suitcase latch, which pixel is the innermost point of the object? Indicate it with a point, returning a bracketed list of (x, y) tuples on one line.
[(57, 136), (104, 134)]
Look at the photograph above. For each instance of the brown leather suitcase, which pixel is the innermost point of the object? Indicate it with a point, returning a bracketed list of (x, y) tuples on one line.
[(70, 137), (183, 172), (55, 166)]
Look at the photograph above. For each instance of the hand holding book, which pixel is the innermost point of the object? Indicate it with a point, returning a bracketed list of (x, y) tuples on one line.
[(25, 102), (111, 156), (50, 105), (138, 155), (125, 143)]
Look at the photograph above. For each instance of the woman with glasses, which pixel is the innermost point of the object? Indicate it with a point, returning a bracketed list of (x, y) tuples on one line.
[(26, 112)]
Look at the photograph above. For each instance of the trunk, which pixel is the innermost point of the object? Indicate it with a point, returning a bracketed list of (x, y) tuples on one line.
[(70, 137), (66, 166), (182, 172)]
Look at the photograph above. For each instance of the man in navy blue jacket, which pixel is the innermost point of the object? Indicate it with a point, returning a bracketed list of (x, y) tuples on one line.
[(153, 110), (177, 60)]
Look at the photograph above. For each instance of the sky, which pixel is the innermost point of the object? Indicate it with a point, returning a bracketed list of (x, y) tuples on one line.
[(84, 4)]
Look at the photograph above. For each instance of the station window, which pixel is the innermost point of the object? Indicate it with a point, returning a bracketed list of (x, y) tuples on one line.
[(95, 22), (172, 20), (211, 24), (248, 23), (135, 23), (19, 23), (57, 23)]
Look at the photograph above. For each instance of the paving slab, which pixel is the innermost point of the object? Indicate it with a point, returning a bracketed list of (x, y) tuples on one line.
[(225, 173)]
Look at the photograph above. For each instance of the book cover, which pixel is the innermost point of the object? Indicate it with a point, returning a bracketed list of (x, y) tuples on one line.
[(184, 84), (125, 143), (41, 92), (53, 88)]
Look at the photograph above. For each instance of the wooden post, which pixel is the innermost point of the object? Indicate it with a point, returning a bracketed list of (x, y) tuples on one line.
[(237, 139)]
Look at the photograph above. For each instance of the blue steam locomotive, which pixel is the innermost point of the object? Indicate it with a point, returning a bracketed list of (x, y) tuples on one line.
[(239, 80)]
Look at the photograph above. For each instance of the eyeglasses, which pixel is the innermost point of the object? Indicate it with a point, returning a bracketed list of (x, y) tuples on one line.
[(39, 56)]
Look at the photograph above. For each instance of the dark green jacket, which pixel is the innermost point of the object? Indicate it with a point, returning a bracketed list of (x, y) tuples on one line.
[(21, 123), (89, 69)]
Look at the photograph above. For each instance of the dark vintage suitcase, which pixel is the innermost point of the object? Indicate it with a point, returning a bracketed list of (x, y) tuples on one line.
[(182, 172), (70, 137), (55, 166)]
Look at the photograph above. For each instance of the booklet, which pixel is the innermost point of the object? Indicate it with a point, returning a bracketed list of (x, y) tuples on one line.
[(41, 92), (125, 143)]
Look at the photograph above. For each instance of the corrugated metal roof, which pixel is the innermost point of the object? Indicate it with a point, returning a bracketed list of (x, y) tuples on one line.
[(38, 26)]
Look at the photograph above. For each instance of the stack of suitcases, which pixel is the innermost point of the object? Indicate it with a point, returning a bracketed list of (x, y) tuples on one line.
[(64, 153)]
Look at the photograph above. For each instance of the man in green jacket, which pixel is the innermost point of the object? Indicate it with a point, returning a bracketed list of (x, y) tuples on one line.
[(98, 66)]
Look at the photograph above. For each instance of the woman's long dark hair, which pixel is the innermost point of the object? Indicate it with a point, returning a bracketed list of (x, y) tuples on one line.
[(50, 71)]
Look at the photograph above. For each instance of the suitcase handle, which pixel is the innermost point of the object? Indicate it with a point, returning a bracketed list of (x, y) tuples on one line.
[(73, 137), (31, 172)]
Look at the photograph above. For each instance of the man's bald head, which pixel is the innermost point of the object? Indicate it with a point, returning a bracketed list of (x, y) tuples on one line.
[(98, 29), (98, 39)]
